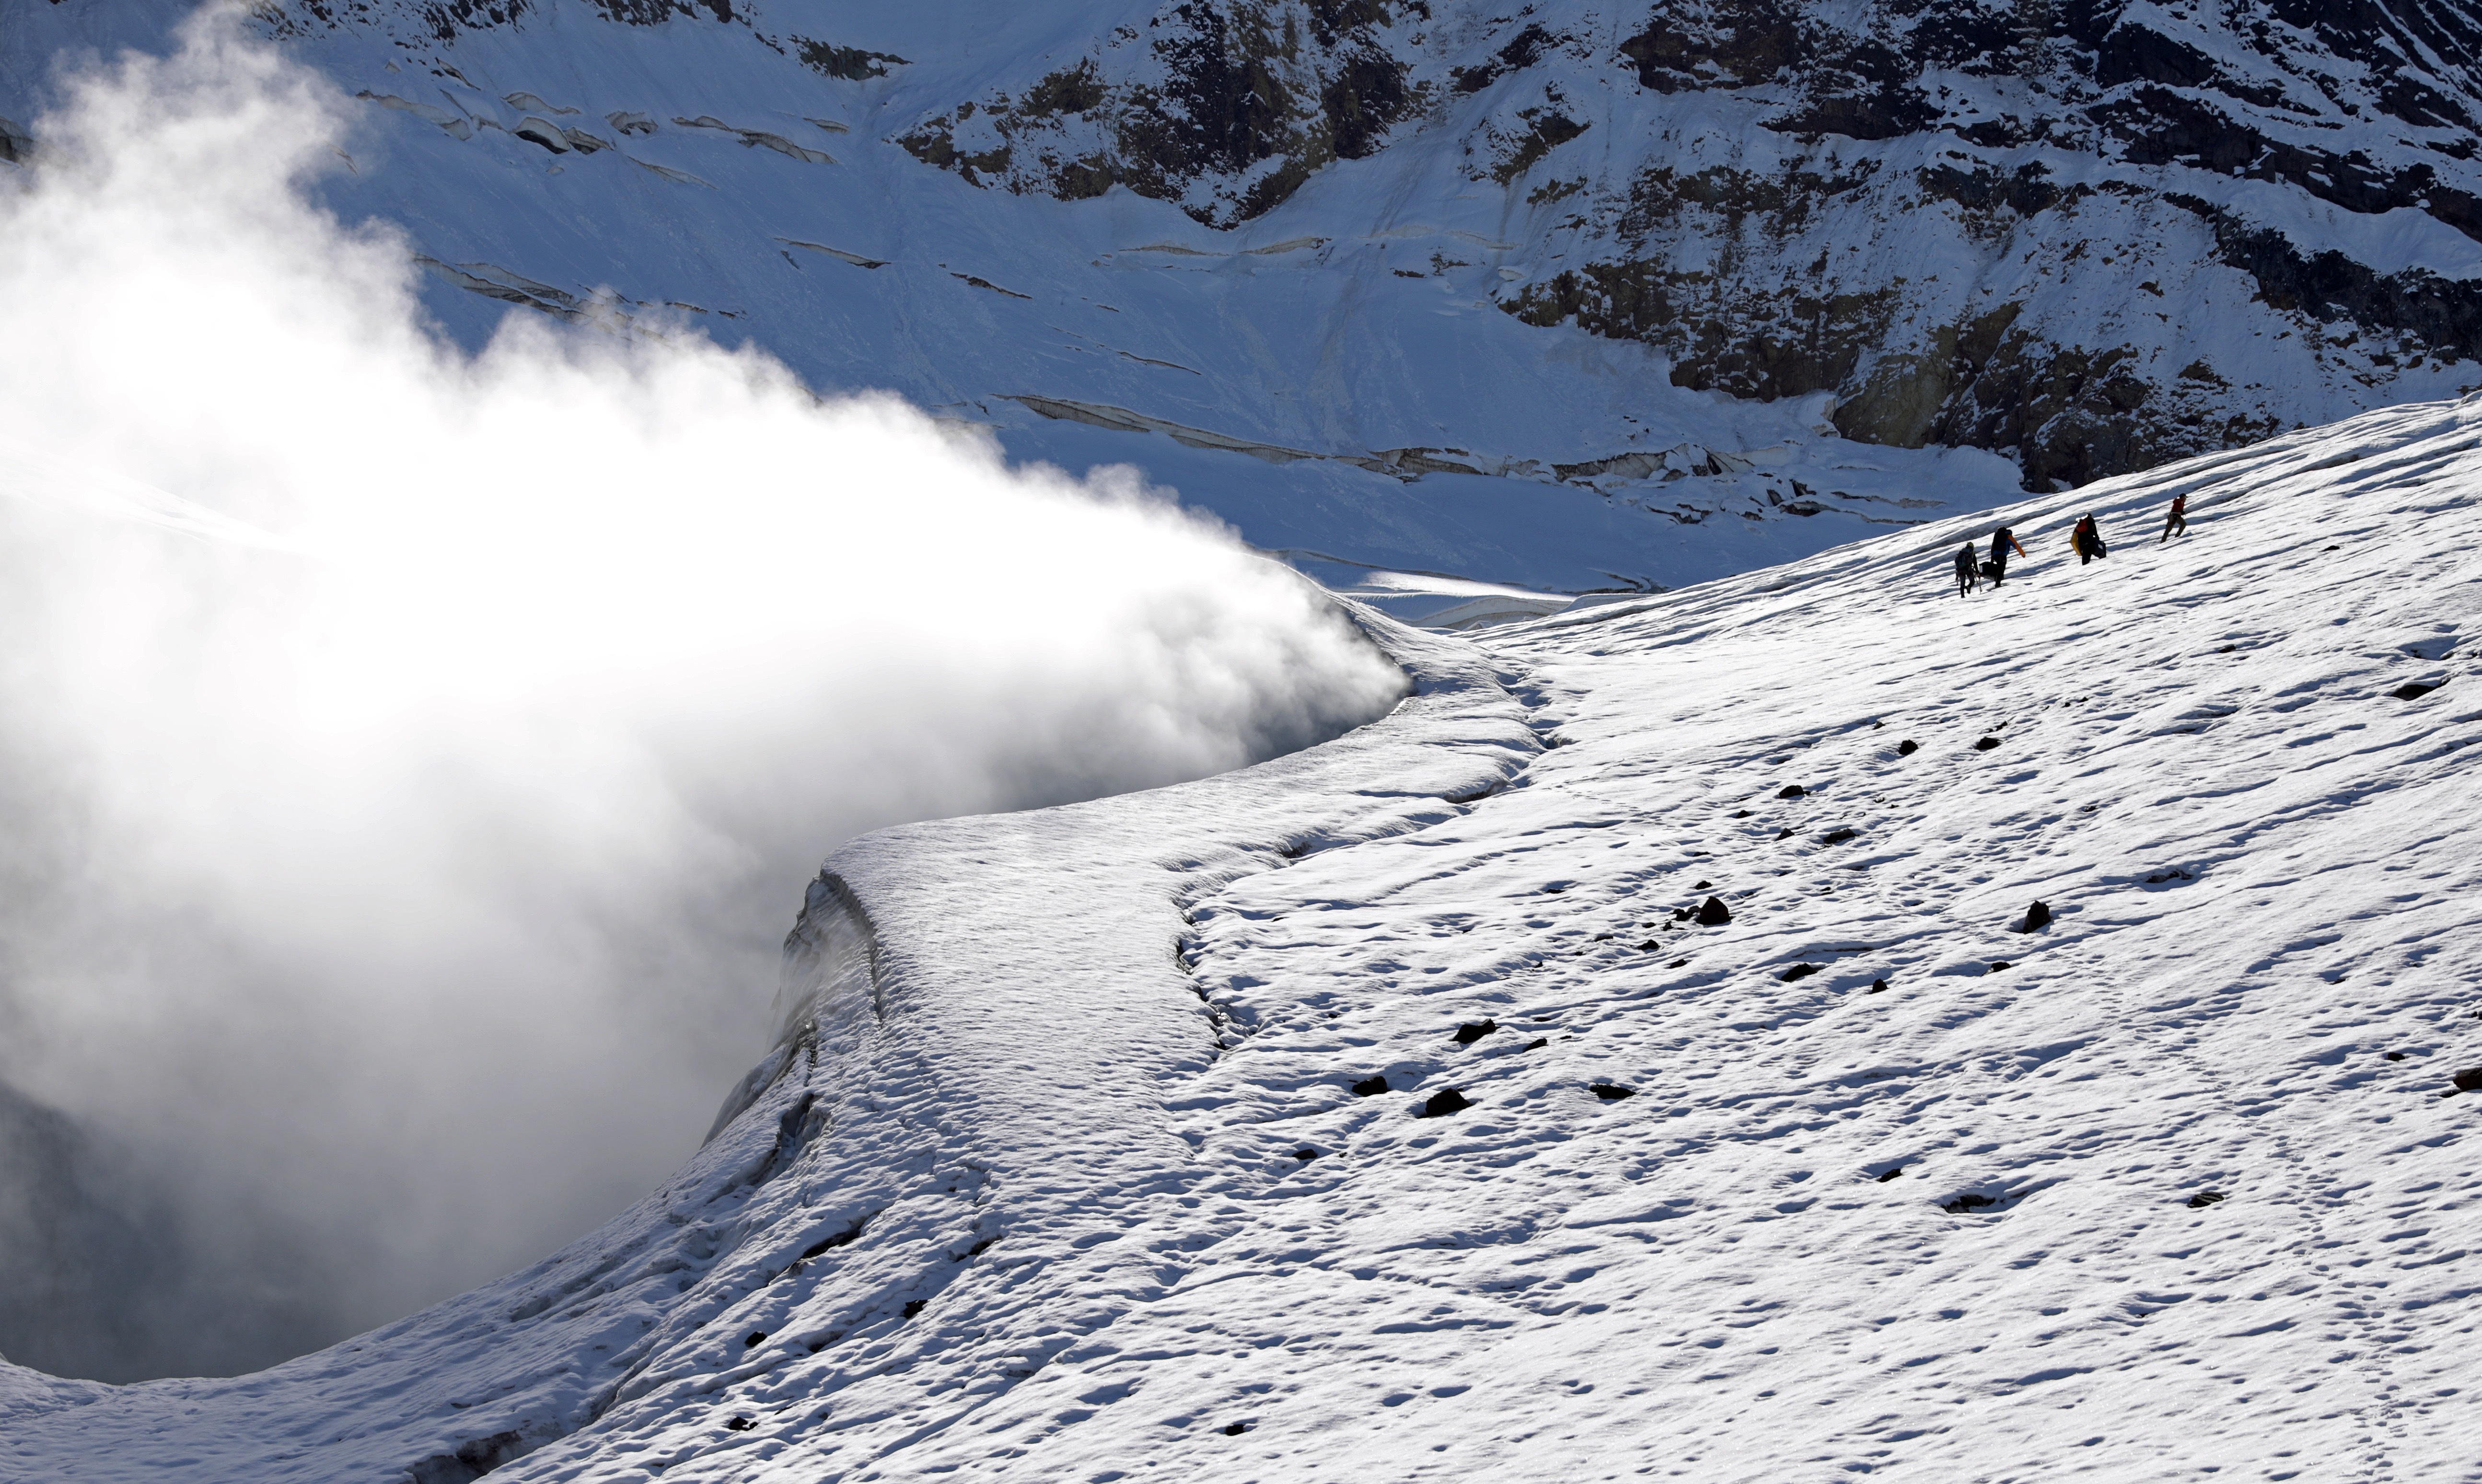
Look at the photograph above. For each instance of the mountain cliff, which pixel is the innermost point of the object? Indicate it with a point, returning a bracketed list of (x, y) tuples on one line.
[(1692, 289), (2095, 236)]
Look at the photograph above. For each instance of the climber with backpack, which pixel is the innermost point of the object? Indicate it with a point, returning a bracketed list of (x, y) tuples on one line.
[(1966, 575), (1996, 568), (2088, 540), (2175, 523)]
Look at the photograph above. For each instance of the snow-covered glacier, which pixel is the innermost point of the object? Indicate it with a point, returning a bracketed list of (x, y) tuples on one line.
[(1398, 1108)]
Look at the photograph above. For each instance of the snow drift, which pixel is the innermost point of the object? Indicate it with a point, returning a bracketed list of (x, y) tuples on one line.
[(407, 759)]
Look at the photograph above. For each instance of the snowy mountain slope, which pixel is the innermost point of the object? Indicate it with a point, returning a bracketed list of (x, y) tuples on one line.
[(1363, 276), (1011, 1200), (2098, 235), (1314, 380)]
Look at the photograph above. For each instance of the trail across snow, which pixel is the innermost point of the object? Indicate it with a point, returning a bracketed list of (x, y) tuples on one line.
[(1062, 1175)]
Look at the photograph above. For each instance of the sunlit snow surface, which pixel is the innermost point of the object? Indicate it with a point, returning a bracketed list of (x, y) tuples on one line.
[(1082, 1245)]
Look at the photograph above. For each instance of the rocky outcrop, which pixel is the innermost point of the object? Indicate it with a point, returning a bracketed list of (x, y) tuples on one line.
[(1222, 106), (2092, 234)]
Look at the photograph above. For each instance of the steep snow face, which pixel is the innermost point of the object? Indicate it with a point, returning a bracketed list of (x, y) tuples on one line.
[(1335, 378), (1639, 1050)]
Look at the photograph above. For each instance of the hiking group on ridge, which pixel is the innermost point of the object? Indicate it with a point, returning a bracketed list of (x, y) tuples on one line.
[(2085, 538)]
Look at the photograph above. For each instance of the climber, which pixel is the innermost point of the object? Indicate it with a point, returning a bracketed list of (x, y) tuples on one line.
[(2000, 540), (2088, 540), (2177, 523), (1965, 578)]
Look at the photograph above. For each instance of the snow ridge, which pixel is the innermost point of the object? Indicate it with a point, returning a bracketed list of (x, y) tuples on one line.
[(1869, 1175)]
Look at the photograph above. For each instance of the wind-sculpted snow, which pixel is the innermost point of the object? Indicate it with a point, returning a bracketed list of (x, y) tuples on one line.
[(1115, 1165)]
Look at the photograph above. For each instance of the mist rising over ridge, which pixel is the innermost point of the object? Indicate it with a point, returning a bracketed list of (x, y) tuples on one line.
[(415, 756)]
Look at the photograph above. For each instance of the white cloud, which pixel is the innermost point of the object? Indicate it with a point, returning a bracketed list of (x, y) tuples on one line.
[(411, 761)]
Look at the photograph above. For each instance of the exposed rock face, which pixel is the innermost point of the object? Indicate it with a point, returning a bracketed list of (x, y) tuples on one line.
[(2095, 235), (2092, 234), (2032, 146), (1222, 106)]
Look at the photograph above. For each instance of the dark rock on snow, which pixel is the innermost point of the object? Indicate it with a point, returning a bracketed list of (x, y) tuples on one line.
[(1536, 1044), (1985, 744), (2037, 918), (1791, 791), (1474, 1031), (1838, 836), (2414, 690), (2470, 1081), (1611, 1092), (2203, 1198), (1878, 987), (1714, 913), (1908, 748), (739, 1425), (1370, 1087), (1306, 1155), (1964, 1204), (1889, 1175), (1800, 971), (1442, 1103)]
